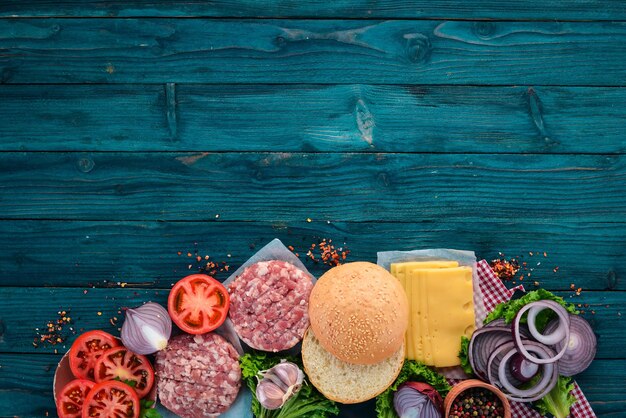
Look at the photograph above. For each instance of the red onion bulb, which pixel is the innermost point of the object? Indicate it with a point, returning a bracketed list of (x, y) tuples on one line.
[(146, 329)]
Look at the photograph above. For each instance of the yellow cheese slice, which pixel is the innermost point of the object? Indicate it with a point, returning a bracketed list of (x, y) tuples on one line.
[(441, 309), (449, 311)]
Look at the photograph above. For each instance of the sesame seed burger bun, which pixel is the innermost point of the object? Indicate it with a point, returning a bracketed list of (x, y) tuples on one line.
[(359, 313), (345, 382)]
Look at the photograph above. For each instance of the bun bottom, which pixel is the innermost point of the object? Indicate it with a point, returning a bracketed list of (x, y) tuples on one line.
[(345, 382)]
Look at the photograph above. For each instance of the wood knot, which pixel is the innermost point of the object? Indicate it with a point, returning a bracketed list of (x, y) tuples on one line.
[(280, 41), (418, 47), (611, 280), (85, 164), (484, 30)]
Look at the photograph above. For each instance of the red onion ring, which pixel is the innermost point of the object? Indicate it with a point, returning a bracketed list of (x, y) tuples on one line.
[(498, 363), (552, 338), (544, 304), (482, 344)]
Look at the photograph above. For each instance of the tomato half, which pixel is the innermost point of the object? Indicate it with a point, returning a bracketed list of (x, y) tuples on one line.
[(122, 364), (86, 350), (111, 399), (198, 304), (71, 398)]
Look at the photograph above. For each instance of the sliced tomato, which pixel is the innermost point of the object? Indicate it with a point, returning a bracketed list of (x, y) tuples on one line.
[(119, 363), (86, 350), (71, 398), (111, 399), (198, 304)]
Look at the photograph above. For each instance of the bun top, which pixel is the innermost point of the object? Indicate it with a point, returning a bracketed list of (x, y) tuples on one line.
[(359, 313)]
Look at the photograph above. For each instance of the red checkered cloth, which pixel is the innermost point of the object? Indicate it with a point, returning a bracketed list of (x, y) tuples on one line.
[(494, 292)]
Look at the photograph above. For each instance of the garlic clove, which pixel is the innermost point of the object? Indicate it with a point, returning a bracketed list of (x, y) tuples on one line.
[(270, 396)]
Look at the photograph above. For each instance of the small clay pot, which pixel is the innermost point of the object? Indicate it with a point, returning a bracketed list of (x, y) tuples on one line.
[(470, 384)]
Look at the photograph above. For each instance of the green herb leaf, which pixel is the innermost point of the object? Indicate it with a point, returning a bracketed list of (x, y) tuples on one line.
[(307, 403), (147, 411), (508, 310), (464, 356), (560, 399), (411, 371), (130, 383)]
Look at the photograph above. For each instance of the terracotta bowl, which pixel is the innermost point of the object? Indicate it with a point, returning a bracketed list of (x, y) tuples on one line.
[(63, 375), (474, 383)]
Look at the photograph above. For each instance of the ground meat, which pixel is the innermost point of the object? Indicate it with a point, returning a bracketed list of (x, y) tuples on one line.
[(269, 305), (198, 376)]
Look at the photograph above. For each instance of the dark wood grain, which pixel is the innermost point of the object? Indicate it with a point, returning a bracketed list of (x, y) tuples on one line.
[(289, 187), (356, 118), (26, 389), (477, 9), (145, 254), (314, 51), (24, 309)]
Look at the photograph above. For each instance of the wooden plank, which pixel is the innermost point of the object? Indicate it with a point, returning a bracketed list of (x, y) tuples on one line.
[(26, 388), (290, 187), (478, 9), (314, 51), (313, 118), (145, 254), (24, 309)]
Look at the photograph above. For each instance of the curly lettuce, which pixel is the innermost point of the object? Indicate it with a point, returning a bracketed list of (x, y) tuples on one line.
[(559, 401), (508, 310), (464, 356)]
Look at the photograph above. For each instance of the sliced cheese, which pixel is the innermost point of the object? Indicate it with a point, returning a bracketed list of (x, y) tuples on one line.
[(441, 309)]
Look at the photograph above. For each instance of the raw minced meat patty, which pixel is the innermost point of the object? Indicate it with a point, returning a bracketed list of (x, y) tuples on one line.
[(269, 305), (198, 376)]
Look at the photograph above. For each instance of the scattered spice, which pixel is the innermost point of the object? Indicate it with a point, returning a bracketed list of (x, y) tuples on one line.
[(505, 269), (54, 332), (324, 251)]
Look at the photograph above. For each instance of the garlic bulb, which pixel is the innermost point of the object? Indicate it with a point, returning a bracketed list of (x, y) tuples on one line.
[(279, 384), (146, 329)]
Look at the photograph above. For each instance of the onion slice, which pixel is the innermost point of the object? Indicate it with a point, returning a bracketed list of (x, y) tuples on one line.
[(484, 341), (522, 369), (498, 368), (580, 348), (549, 338), (517, 338)]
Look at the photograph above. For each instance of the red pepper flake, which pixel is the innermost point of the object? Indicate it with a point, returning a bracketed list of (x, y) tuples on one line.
[(555, 269), (198, 259), (188, 254), (54, 332), (545, 254), (179, 253), (572, 286), (291, 248), (505, 269)]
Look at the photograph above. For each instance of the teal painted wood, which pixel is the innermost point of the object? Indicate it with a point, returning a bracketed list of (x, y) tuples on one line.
[(355, 118), (314, 51), (145, 254), (26, 390), (290, 187), (476, 9), (26, 308)]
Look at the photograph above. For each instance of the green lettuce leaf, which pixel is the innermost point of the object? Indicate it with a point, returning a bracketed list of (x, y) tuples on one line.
[(559, 401), (307, 403), (508, 310), (411, 371), (464, 356)]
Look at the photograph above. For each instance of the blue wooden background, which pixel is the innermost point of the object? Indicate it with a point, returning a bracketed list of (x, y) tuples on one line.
[(127, 127)]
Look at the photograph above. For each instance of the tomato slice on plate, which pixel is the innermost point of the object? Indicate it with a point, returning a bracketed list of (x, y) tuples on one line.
[(71, 398), (119, 363), (111, 399), (86, 350), (198, 304)]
